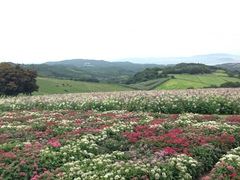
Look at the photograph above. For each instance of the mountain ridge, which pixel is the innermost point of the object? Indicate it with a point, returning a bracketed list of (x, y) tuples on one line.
[(208, 59)]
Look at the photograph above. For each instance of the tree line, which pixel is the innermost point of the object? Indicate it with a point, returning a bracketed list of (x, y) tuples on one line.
[(15, 80), (182, 68)]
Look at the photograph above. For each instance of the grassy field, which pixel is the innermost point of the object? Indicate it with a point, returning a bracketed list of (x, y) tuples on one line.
[(147, 85), (220, 73), (58, 86), (181, 81), (184, 81)]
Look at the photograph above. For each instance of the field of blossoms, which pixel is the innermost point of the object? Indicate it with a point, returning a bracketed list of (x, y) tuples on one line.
[(137, 135)]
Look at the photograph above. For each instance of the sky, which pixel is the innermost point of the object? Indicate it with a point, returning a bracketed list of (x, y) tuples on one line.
[(34, 31)]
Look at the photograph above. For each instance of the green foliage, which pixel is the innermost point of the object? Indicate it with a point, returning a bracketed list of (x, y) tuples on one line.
[(182, 68), (230, 66), (148, 85), (230, 84), (147, 74), (189, 68), (15, 80)]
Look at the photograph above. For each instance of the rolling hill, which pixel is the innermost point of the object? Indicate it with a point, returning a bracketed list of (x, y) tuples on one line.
[(183, 81), (230, 66), (59, 86), (89, 70), (180, 81), (119, 71)]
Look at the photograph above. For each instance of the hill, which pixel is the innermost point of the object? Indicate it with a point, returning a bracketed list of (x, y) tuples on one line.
[(89, 70), (186, 81), (59, 86), (183, 76), (119, 71), (149, 78), (182, 68), (86, 63), (230, 66)]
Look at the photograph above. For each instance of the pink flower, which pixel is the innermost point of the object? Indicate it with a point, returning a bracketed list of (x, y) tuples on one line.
[(28, 144), (38, 133), (22, 163), (38, 144), (230, 168), (36, 177), (60, 174), (23, 174), (213, 175), (56, 144), (207, 178)]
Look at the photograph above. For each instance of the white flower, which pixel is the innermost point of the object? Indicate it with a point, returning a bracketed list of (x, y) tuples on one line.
[(157, 176), (164, 175), (117, 177)]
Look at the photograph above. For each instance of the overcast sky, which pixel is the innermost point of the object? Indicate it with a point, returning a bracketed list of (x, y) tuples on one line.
[(34, 31)]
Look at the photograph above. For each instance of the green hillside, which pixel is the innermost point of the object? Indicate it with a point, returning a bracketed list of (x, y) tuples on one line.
[(184, 81), (58, 86), (180, 81)]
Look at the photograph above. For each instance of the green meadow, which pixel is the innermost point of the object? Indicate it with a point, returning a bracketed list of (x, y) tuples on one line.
[(180, 81), (58, 86), (185, 81)]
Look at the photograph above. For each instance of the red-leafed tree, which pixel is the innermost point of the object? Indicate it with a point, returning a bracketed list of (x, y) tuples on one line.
[(15, 80)]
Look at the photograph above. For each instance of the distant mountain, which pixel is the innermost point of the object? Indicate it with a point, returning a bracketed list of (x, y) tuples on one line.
[(230, 66), (87, 64), (208, 59), (89, 70), (119, 71)]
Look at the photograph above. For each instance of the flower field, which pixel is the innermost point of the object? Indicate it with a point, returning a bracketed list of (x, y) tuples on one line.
[(203, 101), (123, 135)]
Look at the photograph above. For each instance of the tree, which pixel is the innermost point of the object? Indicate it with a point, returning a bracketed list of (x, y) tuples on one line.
[(15, 80)]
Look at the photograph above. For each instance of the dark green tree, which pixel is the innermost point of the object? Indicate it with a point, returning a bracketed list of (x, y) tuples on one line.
[(15, 80)]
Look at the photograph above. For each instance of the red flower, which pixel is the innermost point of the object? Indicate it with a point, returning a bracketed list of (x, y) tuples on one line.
[(234, 174), (169, 150), (54, 143), (49, 131)]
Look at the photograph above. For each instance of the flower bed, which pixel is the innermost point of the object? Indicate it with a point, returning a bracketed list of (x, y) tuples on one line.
[(117, 144), (203, 101)]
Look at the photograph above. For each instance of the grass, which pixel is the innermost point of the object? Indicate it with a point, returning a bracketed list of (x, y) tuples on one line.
[(181, 81), (179, 84), (147, 85), (220, 73), (58, 86), (185, 81)]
